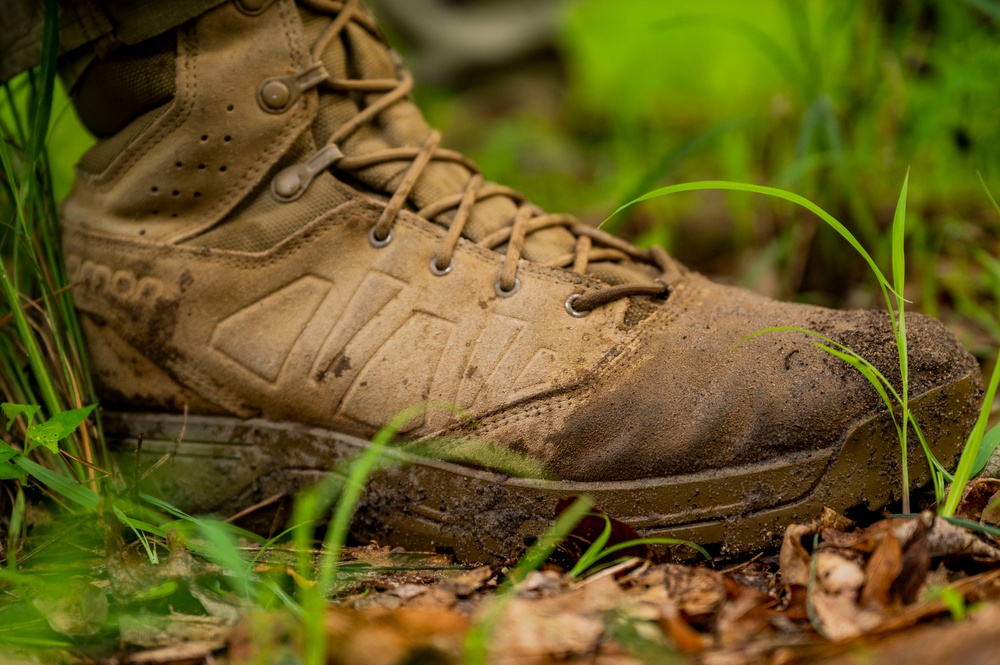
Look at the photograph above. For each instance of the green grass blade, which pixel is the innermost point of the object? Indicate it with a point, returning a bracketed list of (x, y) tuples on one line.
[(657, 541), (65, 487), (15, 528), (43, 105), (594, 552), (989, 444), (971, 452), (865, 369), (773, 192), (355, 483), (833, 343), (988, 7), (150, 550), (26, 335), (899, 328), (220, 547)]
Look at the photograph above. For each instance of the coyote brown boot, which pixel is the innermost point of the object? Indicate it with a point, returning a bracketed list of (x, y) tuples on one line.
[(269, 238)]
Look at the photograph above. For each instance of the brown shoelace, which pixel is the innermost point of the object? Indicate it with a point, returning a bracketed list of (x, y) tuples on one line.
[(591, 244)]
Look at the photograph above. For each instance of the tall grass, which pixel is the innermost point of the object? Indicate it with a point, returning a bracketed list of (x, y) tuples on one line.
[(42, 357)]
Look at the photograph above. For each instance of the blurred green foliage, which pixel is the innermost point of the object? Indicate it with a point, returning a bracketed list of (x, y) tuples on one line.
[(832, 99)]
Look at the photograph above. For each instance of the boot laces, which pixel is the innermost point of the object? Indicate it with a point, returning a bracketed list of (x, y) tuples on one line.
[(591, 244)]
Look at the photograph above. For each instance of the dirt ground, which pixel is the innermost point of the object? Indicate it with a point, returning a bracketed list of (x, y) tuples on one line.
[(904, 589)]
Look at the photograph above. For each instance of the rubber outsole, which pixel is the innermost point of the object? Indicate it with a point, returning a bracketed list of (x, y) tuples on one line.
[(226, 464)]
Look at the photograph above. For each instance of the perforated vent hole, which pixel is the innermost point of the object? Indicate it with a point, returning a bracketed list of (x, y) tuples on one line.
[(201, 166), (204, 137), (227, 139), (179, 164), (223, 168), (230, 108), (176, 192), (154, 189), (197, 194)]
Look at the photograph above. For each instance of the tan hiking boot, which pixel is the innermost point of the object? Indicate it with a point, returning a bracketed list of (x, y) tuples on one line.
[(270, 236)]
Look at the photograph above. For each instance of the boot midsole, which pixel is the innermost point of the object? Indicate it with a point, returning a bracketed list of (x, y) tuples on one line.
[(224, 464)]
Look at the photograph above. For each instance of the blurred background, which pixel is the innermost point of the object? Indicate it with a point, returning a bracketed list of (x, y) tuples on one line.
[(586, 104)]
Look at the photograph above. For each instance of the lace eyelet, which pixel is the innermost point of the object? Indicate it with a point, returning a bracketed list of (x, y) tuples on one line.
[(376, 242), (573, 311), (507, 294), (438, 272)]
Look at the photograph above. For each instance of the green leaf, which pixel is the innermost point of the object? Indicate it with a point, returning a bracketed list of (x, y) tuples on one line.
[(11, 472), (58, 427), (657, 541), (971, 451), (221, 548), (12, 411), (596, 549), (61, 485), (138, 531), (990, 442)]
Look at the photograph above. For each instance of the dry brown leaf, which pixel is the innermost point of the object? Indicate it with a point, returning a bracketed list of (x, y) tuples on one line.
[(383, 637), (976, 498), (830, 519), (883, 567), (838, 575), (680, 632), (534, 630), (433, 597), (946, 539), (991, 513), (158, 631), (468, 582), (191, 653), (841, 617), (794, 559), (696, 591), (982, 587), (744, 616), (968, 642), (916, 562)]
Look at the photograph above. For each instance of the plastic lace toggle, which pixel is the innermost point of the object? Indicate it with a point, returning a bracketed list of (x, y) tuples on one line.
[(277, 94), (291, 182)]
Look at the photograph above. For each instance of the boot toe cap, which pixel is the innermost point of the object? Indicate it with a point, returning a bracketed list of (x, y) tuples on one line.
[(707, 392)]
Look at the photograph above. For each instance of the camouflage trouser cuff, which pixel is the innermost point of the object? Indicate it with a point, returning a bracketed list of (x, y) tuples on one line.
[(100, 24)]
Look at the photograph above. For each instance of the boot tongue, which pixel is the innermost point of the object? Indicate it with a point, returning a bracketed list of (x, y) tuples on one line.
[(357, 54)]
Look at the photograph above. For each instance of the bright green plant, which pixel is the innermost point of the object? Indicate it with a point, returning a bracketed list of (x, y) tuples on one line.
[(599, 550)]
